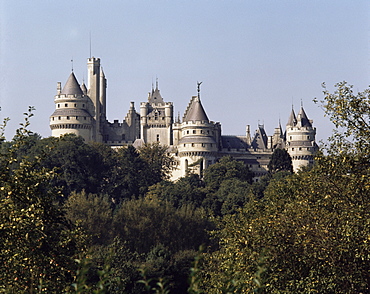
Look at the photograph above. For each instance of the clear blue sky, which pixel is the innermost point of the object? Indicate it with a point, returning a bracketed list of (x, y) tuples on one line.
[(255, 58)]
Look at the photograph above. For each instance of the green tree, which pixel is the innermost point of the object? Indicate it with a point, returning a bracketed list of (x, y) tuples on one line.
[(312, 227), (280, 161), (159, 161), (218, 176), (350, 114), (38, 244), (94, 213), (144, 223)]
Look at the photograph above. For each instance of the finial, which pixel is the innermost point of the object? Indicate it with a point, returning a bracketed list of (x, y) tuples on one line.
[(156, 83), (199, 83), (301, 102), (72, 63)]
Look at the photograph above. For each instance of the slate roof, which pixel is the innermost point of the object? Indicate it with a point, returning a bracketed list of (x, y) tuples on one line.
[(155, 96), (72, 87), (260, 138), (195, 111), (292, 119), (197, 139), (303, 119), (233, 142), (70, 112)]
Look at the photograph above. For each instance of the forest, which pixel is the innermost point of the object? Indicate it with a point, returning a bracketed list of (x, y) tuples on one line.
[(80, 217)]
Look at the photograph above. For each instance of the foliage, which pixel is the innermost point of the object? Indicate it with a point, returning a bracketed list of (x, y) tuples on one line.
[(350, 114), (144, 223), (93, 213), (280, 161), (226, 168), (160, 162), (38, 243)]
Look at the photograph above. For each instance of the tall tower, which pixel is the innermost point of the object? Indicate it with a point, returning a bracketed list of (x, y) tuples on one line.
[(96, 91), (73, 111), (300, 139), (156, 119)]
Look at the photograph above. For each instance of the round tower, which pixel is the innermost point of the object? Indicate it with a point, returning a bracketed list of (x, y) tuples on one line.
[(73, 111), (300, 139), (198, 139)]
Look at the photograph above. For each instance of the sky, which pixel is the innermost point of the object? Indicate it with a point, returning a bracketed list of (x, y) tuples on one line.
[(256, 59)]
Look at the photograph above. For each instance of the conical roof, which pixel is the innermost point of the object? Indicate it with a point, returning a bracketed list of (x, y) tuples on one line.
[(83, 88), (292, 119), (72, 87), (303, 119), (195, 111)]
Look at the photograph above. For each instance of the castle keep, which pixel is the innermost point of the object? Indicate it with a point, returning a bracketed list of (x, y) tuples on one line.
[(195, 141)]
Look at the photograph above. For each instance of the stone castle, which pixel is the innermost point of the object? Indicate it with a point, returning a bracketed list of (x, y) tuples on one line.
[(195, 141)]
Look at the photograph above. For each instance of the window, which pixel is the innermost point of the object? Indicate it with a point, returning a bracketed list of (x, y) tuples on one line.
[(66, 105), (59, 117), (201, 131), (67, 117), (194, 131), (75, 105), (187, 131), (292, 149), (203, 145), (58, 105), (300, 148), (157, 137), (192, 144), (184, 145), (84, 117), (83, 105), (308, 137), (76, 117), (290, 138), (52, 118)]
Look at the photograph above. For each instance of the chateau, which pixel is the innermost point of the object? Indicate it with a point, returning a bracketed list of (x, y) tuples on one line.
[(195, 141)]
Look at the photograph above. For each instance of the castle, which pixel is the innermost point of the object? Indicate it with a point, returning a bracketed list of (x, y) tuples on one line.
[(195, 141)]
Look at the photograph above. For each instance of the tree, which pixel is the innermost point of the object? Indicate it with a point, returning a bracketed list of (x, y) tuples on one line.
[(159, 161), (93, 213), (280, 161), (350, 114), (311, 227), (227, 170), (38, 244)]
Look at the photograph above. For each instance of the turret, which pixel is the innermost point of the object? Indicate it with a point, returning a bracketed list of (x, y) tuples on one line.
[(72, 111), (199, 138), (300, 139)]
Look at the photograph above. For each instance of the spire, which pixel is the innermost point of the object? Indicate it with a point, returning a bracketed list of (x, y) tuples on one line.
[(195, 111), (83, 88), (303, 119), (155, 96), (72, 87), (292, 119)]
